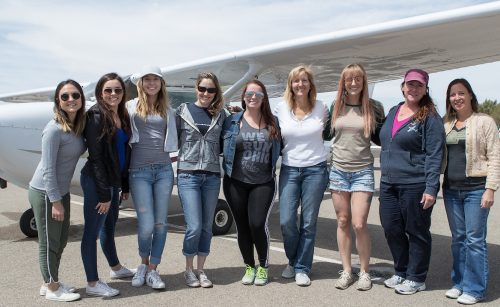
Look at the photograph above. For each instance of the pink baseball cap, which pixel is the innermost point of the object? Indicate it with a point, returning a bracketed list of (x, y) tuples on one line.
[(415, 74)]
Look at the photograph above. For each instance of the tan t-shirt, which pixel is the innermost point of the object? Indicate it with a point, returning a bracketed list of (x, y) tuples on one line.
[(351, 149)]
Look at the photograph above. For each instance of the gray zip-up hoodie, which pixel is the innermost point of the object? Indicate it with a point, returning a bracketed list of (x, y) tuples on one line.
[(198, 152)]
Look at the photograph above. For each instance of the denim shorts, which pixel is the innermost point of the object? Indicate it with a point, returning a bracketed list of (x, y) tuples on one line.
[(360, 181)]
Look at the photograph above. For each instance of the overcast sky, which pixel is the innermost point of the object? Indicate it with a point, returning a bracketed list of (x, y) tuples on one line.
[(43, 42)]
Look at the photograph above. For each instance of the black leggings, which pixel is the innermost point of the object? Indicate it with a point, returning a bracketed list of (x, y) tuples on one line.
[(251, 205)]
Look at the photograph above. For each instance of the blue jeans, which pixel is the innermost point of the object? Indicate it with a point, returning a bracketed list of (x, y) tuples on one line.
[(102, 225), (304, 186), (151, 189), (468, 222), (199, 194)]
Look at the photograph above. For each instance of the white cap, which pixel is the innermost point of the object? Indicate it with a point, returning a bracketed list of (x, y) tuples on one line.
[(146, 70)]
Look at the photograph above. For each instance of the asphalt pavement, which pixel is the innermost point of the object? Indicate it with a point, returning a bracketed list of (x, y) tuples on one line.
[(21, 278)]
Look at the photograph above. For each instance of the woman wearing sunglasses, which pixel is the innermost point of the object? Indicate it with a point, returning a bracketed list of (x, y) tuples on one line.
[(62, 145), (104, 180), (199, 127), (151, 175), (304, 175), (252, 145)]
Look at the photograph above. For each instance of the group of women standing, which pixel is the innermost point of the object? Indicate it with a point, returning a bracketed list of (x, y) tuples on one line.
[(415, 147)]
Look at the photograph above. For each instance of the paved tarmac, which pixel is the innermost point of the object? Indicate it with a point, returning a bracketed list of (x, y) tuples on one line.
[(21, 278)]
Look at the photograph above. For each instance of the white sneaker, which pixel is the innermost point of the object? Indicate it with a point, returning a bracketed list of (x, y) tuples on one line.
[(453, 293), (44, 287), (467, 299), (101, 289), (288, 272), (301, 279), (191, 279), (140, 276), (153, 280), (61, 295), (204, 281), (124, 272)]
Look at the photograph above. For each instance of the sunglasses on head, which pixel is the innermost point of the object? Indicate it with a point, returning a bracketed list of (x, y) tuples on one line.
[(251, 93), (117, 91), (75, 95), (210, 90)]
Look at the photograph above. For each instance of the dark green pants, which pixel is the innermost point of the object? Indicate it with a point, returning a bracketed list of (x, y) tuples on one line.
[(52, 235)]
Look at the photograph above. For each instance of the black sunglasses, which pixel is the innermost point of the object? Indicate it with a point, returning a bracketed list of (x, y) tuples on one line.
[(75, 95), (210, 90), (117, 91)]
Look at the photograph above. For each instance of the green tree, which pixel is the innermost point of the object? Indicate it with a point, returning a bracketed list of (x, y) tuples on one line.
[(492, 108)]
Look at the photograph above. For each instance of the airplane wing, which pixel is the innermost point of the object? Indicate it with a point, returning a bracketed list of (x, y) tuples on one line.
[(434, 42)]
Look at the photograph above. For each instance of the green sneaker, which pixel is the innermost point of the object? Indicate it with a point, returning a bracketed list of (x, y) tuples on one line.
[(261, 276), (249, 276)]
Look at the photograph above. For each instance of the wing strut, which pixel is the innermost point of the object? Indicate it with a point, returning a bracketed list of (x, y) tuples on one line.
[(253, 71)]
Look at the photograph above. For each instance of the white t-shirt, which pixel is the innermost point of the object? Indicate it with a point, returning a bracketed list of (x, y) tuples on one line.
[(302, 139)]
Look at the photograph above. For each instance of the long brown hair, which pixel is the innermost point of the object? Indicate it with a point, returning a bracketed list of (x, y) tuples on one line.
[(265, 109), (61, 117), (426, 105), (366, 107), (109, 128), (450, 112), (218, 102), (289, 96)]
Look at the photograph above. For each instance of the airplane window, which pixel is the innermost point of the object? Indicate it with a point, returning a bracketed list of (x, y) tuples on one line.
[(176, 96)]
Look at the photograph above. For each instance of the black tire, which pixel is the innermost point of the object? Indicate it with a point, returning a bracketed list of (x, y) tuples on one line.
[(223, 218), (27, 224)]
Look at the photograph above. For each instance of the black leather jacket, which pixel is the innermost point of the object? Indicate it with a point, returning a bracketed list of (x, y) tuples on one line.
[(102, 164)]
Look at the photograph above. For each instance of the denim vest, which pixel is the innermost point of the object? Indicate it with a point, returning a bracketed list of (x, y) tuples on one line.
[(198, 152), (230, 132)]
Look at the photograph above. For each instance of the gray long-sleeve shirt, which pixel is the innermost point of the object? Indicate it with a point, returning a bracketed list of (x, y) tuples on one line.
[(60, 154)]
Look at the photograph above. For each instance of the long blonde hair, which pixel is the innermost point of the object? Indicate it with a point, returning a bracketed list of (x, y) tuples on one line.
[(161, 105), (366, 107), (289, 96)]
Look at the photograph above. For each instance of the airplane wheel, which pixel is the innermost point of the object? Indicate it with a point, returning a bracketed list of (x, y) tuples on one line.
[(27, 224), (223, 219)]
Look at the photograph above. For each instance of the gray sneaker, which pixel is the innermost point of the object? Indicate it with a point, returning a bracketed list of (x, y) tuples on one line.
[(393, 281), (364, 281), (191, 279), (203, 279), (409, 287), (288, 272), (344, 281)]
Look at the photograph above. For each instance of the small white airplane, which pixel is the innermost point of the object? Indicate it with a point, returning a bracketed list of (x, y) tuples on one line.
[(434, 42)]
